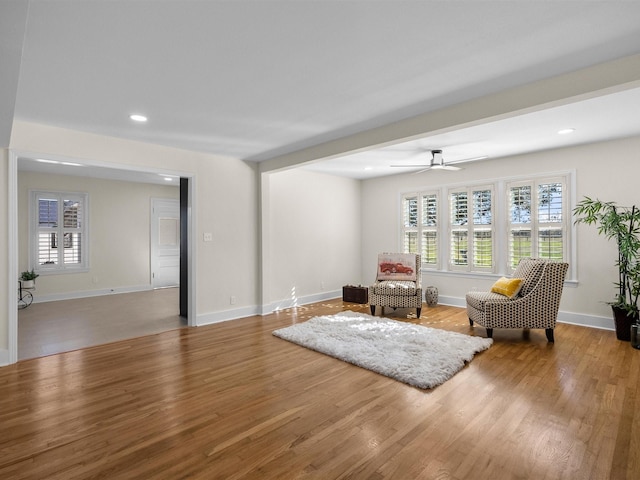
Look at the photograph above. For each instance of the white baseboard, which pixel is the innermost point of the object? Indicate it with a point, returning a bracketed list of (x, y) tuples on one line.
[(299, 301), (582, 319), (88, 293), (226, 315), (235, 314)]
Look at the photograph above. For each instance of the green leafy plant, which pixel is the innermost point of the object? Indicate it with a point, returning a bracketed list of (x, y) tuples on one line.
[(621, 224), (28, 275)]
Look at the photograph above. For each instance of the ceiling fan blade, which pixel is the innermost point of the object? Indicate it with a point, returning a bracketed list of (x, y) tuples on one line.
[(437, 163), (471, 159), (447, 167), (410, 166)]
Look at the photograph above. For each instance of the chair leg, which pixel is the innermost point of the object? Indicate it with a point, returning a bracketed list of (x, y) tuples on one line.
[(373, 309), (471, 322), (418, 310), (549, 332), (489, 332)]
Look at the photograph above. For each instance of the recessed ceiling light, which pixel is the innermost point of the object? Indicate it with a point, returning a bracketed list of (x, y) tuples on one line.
[(368, 168), (136, 117), (566, 131)]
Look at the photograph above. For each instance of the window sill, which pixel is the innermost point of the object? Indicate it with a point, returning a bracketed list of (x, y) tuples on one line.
[(573, 283)]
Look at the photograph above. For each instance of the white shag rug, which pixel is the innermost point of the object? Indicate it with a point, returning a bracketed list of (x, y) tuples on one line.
[(414, 354)]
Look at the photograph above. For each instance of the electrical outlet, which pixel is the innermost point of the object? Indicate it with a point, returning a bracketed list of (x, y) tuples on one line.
[(232, 299), (207, 237)]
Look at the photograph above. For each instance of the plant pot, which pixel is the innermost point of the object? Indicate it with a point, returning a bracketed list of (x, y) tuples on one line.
[(623, 323), (28, 283)]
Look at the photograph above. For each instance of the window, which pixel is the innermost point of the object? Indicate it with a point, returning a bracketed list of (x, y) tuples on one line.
[(537, 220), (59, 231), (489, 227), (420, 226), (471, 229)]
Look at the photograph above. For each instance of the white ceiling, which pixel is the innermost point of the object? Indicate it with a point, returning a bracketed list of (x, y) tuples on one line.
[(598, 119), (261, 79)]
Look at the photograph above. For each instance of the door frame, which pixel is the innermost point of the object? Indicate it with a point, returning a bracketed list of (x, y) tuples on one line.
[(13, 247)]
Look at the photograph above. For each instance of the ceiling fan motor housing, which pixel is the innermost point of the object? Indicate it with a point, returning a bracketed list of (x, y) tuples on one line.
[(437, 157)]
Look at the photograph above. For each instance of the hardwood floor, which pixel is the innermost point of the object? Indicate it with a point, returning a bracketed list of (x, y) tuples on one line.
[(61, 326), (231, 401)]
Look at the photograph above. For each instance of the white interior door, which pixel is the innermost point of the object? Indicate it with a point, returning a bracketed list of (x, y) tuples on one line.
[(165, 243)]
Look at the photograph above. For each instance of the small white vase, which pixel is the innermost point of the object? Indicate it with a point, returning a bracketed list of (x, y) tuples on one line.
[(28, 283)]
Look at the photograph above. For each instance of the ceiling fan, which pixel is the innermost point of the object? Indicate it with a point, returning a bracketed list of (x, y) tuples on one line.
[(437, 163)]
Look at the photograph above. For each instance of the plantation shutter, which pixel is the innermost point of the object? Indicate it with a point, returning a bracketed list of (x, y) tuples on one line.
[(410, 223), (459, 231), (482, 229), (420, 226), (537, 220), (60, 231), (47, 243), (72, 231), (429, 250), (532, 216), (471, 226), (550, 221), (520, 224)]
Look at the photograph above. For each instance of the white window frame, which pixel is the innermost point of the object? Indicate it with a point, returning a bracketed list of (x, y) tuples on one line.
[(501, 222), (35, 230)]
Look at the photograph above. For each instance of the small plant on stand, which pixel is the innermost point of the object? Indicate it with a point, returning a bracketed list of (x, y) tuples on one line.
[(28, 278)]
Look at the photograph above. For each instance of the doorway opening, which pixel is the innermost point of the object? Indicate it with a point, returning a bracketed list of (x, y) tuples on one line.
[(180, 227)]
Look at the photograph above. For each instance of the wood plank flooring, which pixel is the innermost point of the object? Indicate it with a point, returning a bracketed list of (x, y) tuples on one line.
[(61, 326), (231, 401)]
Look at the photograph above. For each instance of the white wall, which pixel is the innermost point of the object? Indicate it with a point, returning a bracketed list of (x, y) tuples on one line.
[(119, 233), (608, 170), (336, 238), (314, 236)]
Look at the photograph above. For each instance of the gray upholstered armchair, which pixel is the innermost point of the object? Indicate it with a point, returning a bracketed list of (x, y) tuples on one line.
[(397, 282), (535, 305)]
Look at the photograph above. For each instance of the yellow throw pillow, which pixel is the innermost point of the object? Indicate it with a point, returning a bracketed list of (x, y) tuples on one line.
[(509, 287)]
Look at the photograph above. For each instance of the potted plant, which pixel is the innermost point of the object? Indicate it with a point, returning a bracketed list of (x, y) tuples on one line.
[(621, 224), (28, 278)]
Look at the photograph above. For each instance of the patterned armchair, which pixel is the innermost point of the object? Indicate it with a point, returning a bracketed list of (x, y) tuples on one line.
[(534, 306), (397, 282)]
